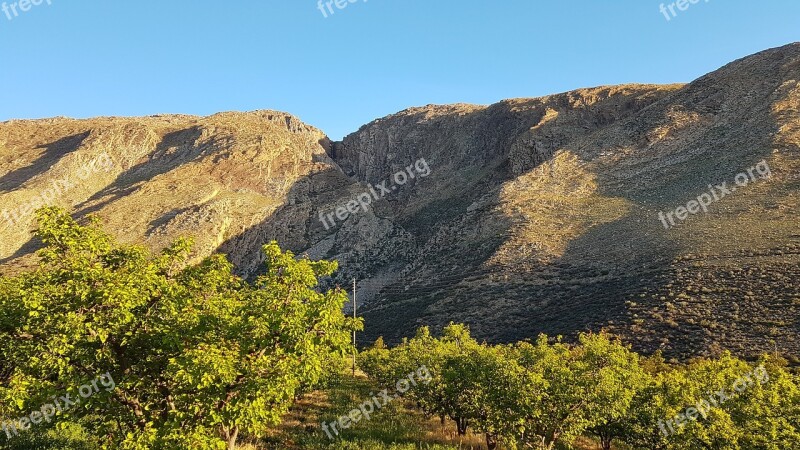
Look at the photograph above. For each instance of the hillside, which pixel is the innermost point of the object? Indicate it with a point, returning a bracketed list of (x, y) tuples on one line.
[(152, 179), (556, 227), (534, 215)]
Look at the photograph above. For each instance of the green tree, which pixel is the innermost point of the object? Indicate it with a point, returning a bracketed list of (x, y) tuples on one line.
[(767, 410), (199, 356), (433, 397), (490, 389), (718, 404), (639, 427), (588, 385)]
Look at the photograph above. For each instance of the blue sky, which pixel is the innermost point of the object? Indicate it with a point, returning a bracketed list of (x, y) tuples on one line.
[(375, 57)]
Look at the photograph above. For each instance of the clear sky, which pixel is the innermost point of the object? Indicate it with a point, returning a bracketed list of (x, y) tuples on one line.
[(83, 58)]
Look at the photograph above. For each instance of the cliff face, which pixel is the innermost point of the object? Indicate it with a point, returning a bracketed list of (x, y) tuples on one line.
[(527, 216), (544, 215)]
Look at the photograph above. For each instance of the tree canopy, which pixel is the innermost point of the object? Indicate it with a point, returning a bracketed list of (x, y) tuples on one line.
[(537, 394), (199, 355)]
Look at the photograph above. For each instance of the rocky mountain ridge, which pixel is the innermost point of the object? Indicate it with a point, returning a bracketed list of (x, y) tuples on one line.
[(537, 215)]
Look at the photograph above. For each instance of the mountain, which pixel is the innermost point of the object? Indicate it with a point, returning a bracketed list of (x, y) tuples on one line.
[(556, 214)]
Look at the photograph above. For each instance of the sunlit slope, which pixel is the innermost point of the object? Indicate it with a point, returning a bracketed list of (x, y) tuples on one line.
[(570, 238)]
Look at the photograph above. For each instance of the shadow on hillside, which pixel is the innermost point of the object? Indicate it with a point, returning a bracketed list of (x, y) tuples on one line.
[(412, 298), (52, 153), (458, 282), (589, 288), (27, 248), (176, 148), (294, 225)]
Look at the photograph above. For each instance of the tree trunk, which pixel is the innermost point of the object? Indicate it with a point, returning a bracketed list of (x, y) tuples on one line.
[(231, 436), (461, 424), (550, 441), (605, 441), (491, 441)]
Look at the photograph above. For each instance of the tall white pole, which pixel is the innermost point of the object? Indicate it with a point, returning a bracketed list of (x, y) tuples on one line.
[(354, 331)]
